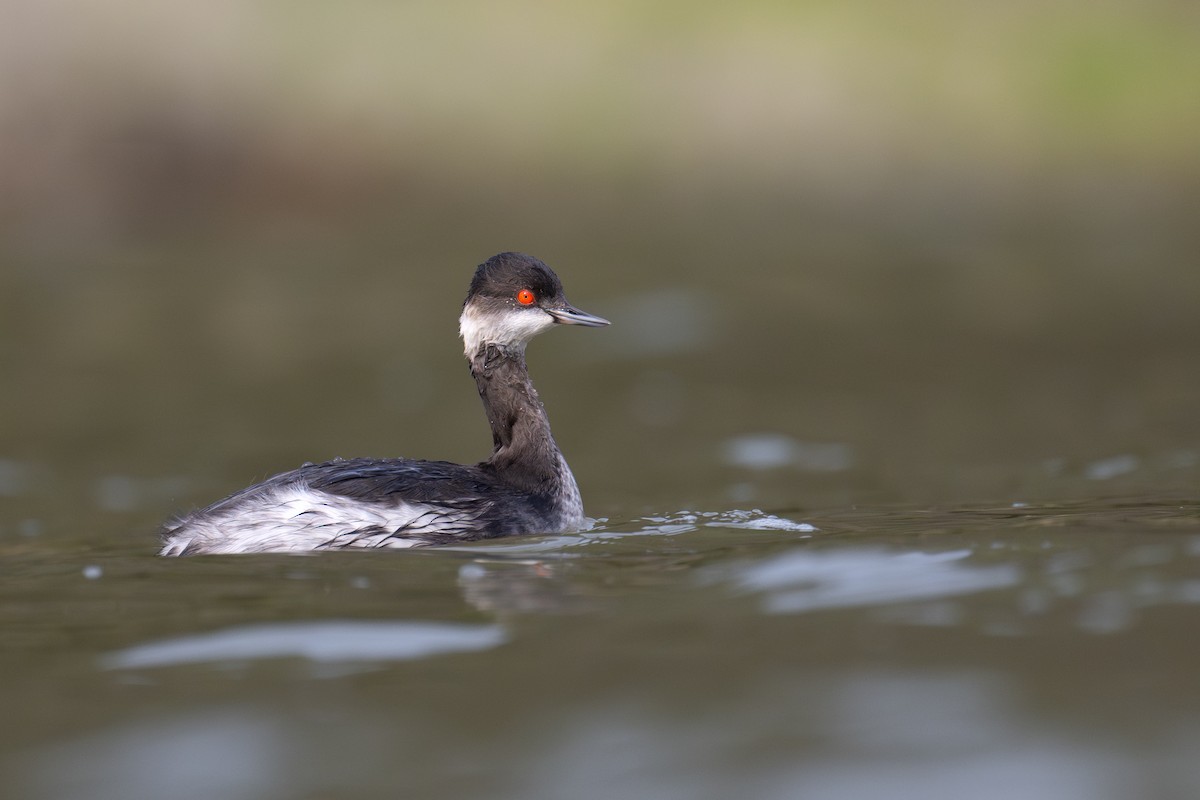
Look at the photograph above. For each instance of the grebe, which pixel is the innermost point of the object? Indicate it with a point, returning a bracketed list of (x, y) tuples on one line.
[(524, 487)]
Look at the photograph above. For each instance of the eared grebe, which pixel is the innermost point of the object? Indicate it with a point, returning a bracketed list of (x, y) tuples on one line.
[(524, 487)]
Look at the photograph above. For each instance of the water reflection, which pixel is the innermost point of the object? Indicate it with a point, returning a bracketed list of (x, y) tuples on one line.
[(931, 734), (231, 754), (807, 581), (504, 587), (862, 733), (868, 733), (326, 641), (754, 520), (605, 530), (1029, 651)]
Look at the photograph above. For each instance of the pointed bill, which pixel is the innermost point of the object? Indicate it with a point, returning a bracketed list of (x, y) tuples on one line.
[(570, 315)]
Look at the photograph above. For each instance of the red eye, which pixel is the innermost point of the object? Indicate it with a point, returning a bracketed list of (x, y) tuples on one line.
[(525, 297)]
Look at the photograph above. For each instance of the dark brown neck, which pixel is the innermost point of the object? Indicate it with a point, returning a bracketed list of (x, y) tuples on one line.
[(524, 452)]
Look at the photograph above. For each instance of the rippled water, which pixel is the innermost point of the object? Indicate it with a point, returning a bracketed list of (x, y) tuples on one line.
[(919, 282), (1037, 651)]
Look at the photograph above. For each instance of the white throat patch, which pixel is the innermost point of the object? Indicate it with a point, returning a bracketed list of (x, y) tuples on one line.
[(511, 330)]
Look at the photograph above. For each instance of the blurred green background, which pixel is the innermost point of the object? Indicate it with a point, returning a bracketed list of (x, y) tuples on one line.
[(926, 252)]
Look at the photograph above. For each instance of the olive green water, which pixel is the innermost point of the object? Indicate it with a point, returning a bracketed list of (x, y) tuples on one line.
[(893, 444), (981, 652), (975, 571)]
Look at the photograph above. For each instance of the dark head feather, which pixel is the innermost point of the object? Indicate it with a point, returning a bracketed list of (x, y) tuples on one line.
[(505, 274)]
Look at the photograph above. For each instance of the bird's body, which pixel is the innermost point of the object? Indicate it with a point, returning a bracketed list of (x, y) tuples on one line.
[(525, 486)]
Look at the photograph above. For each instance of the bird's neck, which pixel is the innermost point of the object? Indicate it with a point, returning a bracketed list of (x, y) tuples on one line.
[(524, 452)]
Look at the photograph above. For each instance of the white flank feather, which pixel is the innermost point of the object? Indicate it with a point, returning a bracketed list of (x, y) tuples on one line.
[(297, 518)]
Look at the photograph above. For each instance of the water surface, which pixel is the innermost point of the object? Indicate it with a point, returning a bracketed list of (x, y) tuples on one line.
[(1037, 651)]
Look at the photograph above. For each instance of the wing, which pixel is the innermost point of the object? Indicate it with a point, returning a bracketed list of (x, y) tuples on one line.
[(358, 502), (386, 480)]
